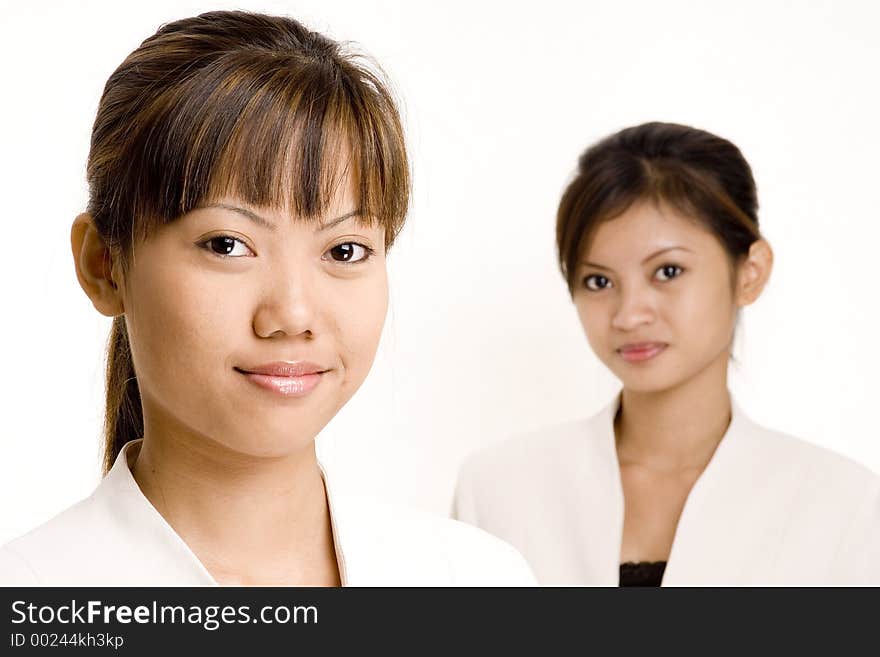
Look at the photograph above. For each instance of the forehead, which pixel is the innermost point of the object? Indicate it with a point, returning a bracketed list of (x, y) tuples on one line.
[(339, 196), (276, 221), (644, 228), (297, 184)]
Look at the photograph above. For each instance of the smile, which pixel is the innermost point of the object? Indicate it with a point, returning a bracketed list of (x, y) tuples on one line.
[(641, 351), (285, 379)]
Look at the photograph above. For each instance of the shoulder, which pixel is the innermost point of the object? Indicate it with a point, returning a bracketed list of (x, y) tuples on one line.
[(535, 468), (15, 570), (818, 495), (529, 478), (37, 557), (389, 543), (475, 557), (539, 450), (97, 541), (823, 469), (821, 501)]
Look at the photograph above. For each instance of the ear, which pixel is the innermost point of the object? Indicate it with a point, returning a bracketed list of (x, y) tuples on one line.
[(95, 267), (753, 272)]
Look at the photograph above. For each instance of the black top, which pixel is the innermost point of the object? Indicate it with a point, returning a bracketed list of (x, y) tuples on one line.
[(643, 573)]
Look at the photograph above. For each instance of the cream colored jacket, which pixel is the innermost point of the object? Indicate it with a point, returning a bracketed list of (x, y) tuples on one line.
[(769, 509), (115, 537)]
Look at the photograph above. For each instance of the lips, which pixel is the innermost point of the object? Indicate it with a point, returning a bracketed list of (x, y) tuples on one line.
[(285, 368), (285, 378), (639, 352)]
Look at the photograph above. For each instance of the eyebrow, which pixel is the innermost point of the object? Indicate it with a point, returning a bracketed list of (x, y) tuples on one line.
[(250, 214), (329, 224), (653, 255), (265, 223)]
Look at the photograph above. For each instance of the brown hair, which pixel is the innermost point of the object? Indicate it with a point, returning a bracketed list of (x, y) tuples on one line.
[(238, 103), (700, 174)]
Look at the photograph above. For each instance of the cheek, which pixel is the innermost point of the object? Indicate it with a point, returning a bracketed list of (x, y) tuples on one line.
[(357, 315), (703, 315), (182, 323), (594, 320)]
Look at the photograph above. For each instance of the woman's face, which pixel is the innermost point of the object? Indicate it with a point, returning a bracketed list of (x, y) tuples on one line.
[(253, 328), (657, 297)]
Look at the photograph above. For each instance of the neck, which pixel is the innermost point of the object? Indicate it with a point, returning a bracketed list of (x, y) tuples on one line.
[(249, 519), (677, 428)]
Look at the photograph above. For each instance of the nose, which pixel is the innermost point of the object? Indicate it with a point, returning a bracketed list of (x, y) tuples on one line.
[(287, 304), (635, 309)]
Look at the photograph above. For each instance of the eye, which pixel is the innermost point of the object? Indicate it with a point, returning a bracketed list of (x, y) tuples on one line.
[(226, 246), (596, 282), (349, 252), (668, 272)]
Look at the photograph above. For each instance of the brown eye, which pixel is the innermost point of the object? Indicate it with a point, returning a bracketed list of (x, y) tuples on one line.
[(596, 282), (226, 246), (349, 252), (668, 272)]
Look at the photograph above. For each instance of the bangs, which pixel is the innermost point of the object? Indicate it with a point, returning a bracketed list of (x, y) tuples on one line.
[(700, 197), (604, 190), (277, 132)]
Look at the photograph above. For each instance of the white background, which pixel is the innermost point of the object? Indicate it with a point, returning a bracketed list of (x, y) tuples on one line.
[(481, 340)]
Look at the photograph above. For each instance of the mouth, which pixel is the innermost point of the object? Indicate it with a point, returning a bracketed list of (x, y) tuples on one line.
[(639, 352), (286, 379)]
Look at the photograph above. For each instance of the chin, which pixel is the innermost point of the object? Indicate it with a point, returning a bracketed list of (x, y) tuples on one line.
[(272, 445), (645, 387), (662, 379), (268, 435), (649, 381)]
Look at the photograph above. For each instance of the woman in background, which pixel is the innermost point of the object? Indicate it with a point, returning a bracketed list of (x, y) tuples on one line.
[(658, 241), (246, 179)]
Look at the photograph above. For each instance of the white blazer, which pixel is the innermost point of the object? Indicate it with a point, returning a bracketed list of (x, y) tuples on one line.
[(769, 509), (115, 537)]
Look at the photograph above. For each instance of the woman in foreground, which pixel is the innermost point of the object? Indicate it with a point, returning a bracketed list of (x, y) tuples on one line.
[(659, 244), (246, 178)]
